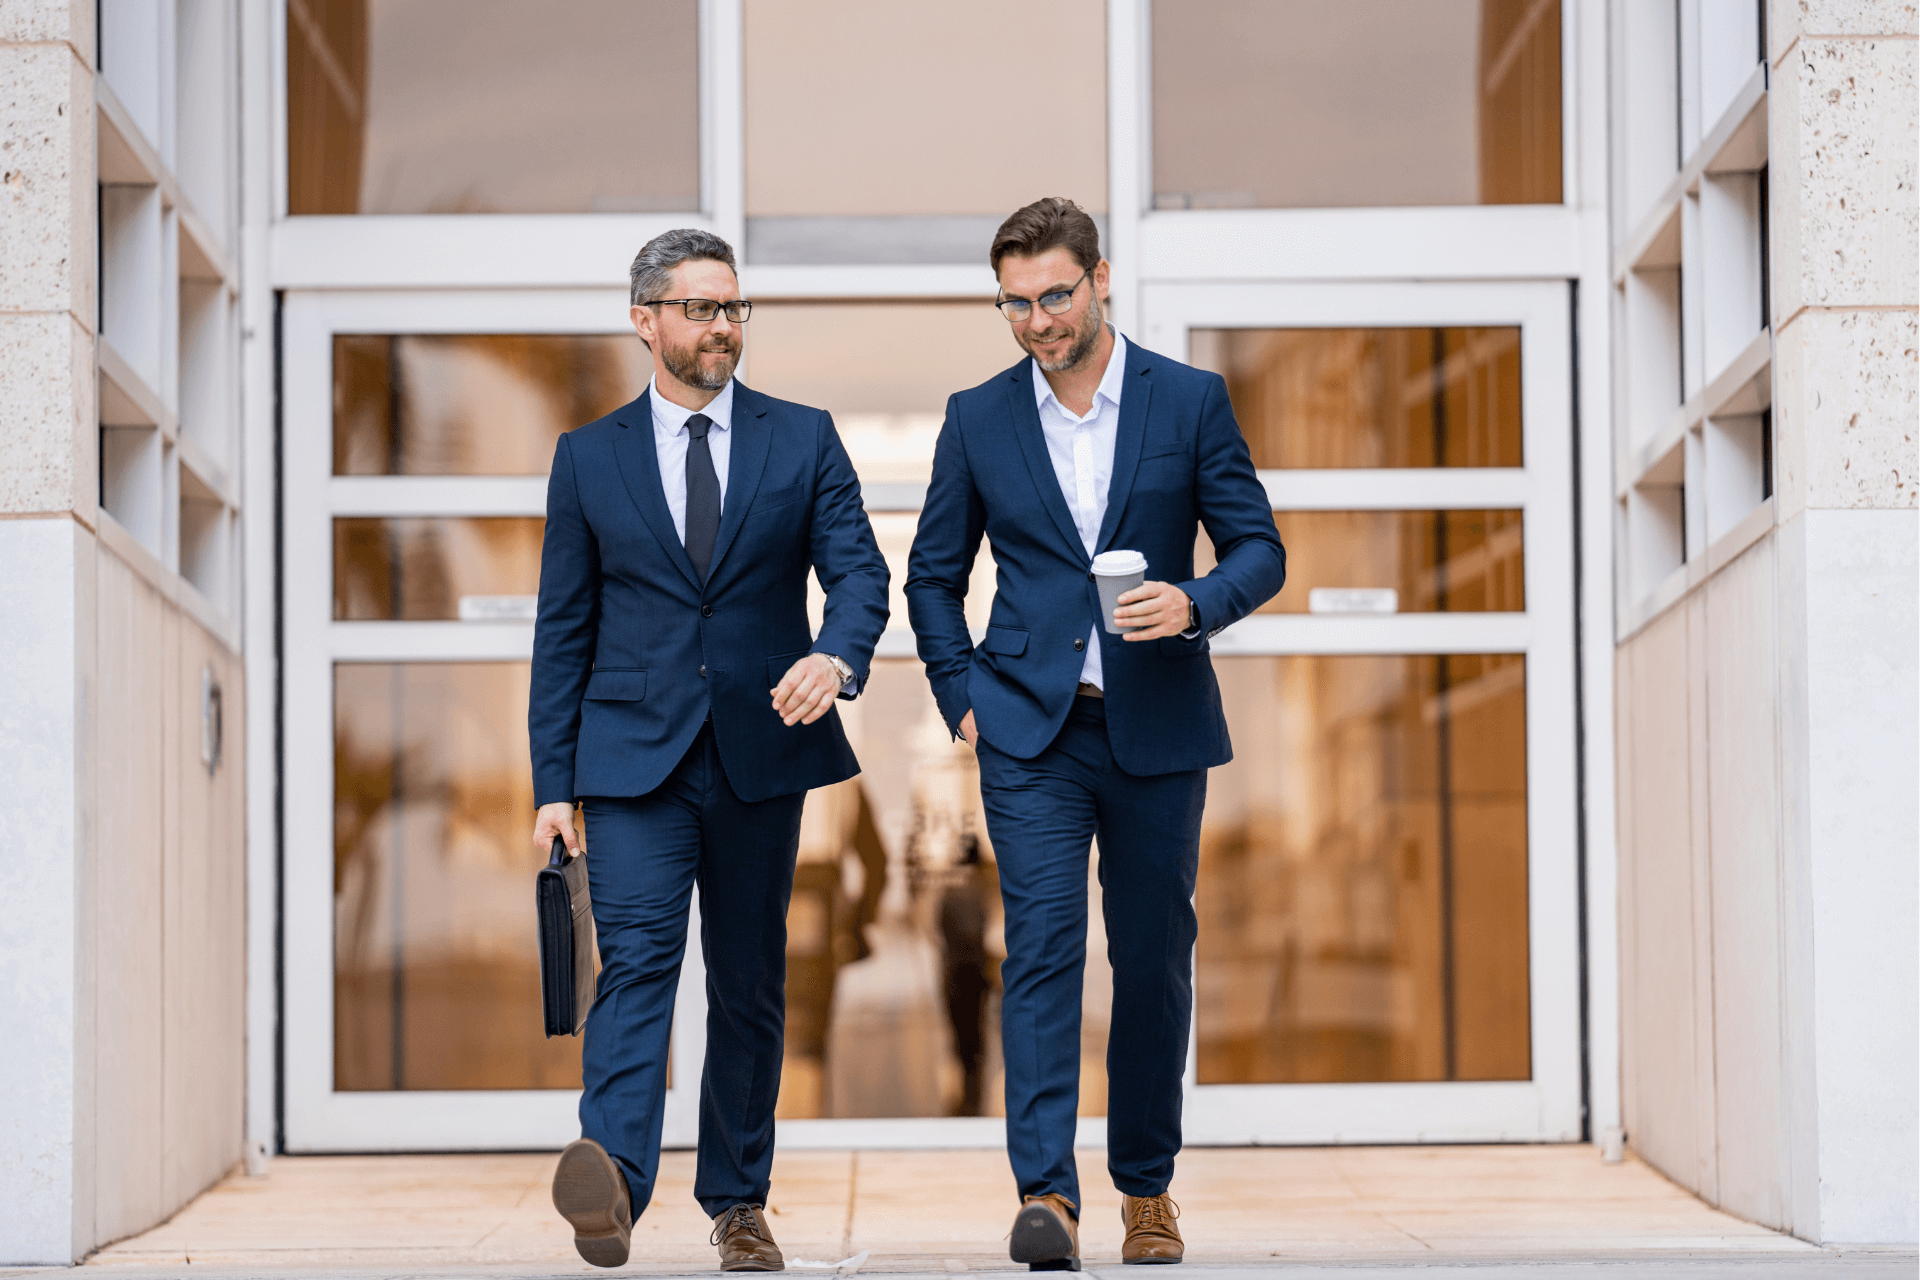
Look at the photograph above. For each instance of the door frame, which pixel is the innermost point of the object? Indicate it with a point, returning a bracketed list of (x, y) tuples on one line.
[(1549, 1107)]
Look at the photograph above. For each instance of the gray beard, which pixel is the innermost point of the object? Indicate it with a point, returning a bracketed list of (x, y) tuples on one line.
[(1082, 346), (685, 365)]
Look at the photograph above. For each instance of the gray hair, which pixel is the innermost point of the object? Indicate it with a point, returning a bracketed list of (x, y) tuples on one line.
[(651, 275)]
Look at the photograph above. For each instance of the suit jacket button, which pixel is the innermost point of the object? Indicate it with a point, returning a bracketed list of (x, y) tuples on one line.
[(706, 611), (703, 671), (1079, 645)]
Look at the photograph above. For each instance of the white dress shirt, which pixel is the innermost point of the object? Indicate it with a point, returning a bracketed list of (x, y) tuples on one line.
[(670, 441), (1082, 453)]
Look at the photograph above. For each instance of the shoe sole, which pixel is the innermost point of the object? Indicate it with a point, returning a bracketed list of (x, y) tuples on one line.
[(753, 1266), (586, 1187), (1150, 1262), (1039, 1238)]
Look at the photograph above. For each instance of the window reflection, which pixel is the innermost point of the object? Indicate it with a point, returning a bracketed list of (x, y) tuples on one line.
[(474, 569), (1362, 103), (886, 132), (472, 404), (1415, 397), (436, 972), (1363, 873), (1431, 561), (492, 106)]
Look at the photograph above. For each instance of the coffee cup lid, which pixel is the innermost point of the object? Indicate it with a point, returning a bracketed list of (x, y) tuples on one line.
[(1115, 564)]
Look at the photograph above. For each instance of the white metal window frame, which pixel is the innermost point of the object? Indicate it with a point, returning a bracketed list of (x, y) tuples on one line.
[(568, 271)]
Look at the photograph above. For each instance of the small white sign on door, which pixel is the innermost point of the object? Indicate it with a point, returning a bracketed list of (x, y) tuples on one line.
[(498, 608), (1353, 600)]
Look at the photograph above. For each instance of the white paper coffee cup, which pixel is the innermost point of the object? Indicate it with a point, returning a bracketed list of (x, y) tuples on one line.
[(1114, 574)]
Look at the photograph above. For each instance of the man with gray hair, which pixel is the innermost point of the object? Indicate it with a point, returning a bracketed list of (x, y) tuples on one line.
[(682, 701)]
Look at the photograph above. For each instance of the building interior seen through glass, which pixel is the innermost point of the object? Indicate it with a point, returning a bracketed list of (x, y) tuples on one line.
[(920, 154), (395, 106), (1361, 103), (1363, 884), (1401, 397)]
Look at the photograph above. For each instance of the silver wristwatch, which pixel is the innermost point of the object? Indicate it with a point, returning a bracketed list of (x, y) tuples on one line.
[(840, 667)]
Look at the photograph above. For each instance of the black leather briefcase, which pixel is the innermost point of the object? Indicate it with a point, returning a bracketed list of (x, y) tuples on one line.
[(566, 941)]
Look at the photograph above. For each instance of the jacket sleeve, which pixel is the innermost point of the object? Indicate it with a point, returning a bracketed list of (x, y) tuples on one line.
[(847, 560), (564, 631), (944, 546), (1251, 563)]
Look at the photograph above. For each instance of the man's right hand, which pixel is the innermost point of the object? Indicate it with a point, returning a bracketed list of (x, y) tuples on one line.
[(551, 820), (967, 731)]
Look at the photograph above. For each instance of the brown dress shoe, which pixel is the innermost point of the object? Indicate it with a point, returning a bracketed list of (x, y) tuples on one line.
[(745, 1242), (1046, 1235), (591, 1193), (1151, 1235)]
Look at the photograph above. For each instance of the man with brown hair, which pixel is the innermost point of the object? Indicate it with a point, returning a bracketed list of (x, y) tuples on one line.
[(1090, 445)]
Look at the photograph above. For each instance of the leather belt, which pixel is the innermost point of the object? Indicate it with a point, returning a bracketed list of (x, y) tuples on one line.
[(1089, 691)]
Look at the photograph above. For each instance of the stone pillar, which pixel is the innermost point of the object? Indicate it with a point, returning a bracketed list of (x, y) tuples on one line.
[(48, 488), (1842, 151)]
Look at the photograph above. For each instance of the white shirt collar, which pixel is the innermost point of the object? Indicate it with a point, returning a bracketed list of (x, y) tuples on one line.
[(671, 418), (1110, 382)]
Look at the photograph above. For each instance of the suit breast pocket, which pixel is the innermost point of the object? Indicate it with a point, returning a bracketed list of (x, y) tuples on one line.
[(1165, 463), (780, 497)]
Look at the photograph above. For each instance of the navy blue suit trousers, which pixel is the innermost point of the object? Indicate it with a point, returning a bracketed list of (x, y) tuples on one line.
[(1041, 815), (645, 855)]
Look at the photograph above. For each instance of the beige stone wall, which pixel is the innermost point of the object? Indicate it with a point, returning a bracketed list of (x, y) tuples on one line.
[(145, 1034), (1843, 149), (1765, 727)]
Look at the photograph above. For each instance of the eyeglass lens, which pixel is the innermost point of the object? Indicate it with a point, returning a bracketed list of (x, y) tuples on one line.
[(701, 310)]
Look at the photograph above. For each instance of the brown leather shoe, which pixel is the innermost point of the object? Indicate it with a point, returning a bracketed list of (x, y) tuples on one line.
[(591, 1193), (745, 1242), (1046, 1235), (1151, 1235)]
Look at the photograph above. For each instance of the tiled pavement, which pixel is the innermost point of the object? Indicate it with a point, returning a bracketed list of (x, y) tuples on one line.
[(1349, 1212)]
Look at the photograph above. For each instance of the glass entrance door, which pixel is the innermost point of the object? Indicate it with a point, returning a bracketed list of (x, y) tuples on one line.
[(418, 433), (1387, 894), (1387, 890)]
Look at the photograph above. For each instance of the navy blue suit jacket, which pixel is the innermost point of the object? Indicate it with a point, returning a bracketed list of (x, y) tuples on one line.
[(631, 650), (1179, 462)]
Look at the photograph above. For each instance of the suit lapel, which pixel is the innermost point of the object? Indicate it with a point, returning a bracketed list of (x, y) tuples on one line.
[(1033, 444), (746, 461), (639, 463), (1135, 391)]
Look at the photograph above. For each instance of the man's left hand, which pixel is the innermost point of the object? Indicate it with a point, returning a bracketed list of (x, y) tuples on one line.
[(807, 690), (1160, 607)]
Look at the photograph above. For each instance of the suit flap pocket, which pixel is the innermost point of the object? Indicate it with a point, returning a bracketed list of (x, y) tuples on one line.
[(1009, 642), (780, 663), (617, 686), (780, 497), (1165, 449)]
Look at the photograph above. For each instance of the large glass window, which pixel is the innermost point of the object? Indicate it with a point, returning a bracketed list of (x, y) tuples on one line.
[(1363, 873), (473, 404), (887, 132), (1396, 562), (1299, 103), (436, 971), (492, 106), (1402, 397)]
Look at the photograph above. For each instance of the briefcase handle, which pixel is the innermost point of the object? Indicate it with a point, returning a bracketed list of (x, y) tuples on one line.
[(559, 858)]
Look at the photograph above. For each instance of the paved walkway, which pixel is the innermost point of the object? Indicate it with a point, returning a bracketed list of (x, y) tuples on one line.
[(949, 1211)]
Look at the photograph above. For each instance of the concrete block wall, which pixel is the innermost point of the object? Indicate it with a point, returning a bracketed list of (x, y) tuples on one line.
[(1767, 730), (121, 853)]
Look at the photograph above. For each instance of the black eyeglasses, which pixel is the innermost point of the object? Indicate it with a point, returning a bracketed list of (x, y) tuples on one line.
[(703, 310), (1054, 304)]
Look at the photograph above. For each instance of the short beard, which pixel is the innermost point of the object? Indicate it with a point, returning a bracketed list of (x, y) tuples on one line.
[(1083, 342), (684, 364)]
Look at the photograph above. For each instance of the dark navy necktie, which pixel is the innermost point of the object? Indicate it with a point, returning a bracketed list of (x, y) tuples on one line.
[(703, 496)]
